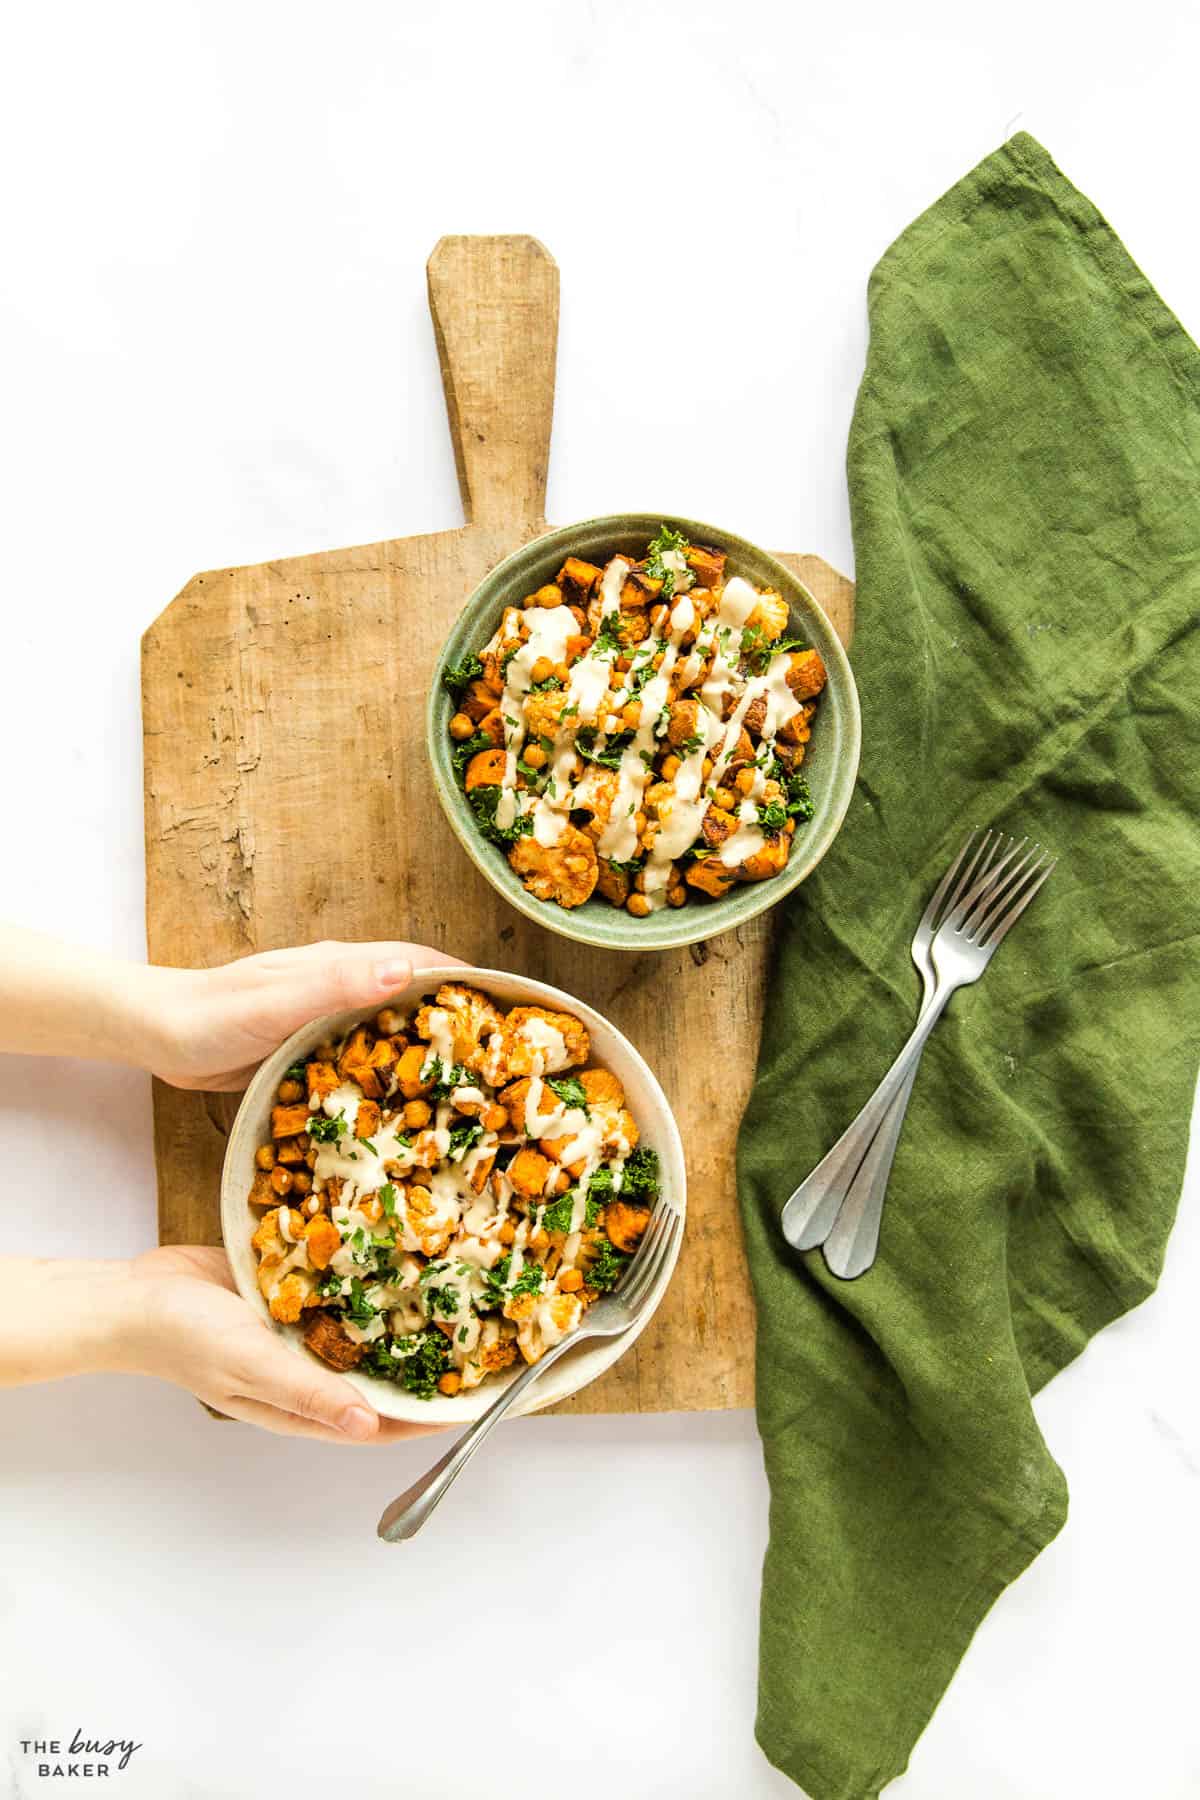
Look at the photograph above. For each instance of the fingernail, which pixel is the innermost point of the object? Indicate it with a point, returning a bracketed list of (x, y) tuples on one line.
[(393, 974), (357, 1422)]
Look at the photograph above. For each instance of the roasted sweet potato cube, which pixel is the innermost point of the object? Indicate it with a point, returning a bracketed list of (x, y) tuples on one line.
[(806, 674), (322, 1079), (639, 590), (611, 882), (478, 701), (486, 769), (408, 1071), (323, 1238), (529, 1172), (683, 721), (385, 1056), (357, 1049), (325, 1338), (625, 1224), (768, 861), (366, 1123), (755, 715), (717, 826), (708, 566), (577, 577), (261, 1191), (710, 877), (292, 1150), (288, 1121)]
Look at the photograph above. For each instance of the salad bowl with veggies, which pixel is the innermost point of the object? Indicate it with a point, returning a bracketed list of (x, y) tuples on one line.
[(643, 731), (428, 1197)]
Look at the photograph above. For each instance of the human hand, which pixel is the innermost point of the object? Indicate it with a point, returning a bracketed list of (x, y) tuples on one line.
[(191, 1327), (212, 1027)]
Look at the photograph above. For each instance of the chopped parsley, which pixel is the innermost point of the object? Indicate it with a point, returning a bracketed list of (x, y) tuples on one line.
[(358, 1307), (444, 1077), (608, 636), (610, 756), (462, 1138), (459, 675), (664, 544), (758, 650), (326, 1131), (387, 1199)]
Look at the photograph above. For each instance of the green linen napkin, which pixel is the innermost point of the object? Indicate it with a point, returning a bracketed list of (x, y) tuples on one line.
[(1025, 484)]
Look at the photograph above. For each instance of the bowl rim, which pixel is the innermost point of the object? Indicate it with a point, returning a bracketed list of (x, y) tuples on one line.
[(693, 922), (389, 1401)]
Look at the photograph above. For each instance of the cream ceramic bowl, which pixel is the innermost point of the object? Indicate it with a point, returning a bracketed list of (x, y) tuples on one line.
[(609, 1049)]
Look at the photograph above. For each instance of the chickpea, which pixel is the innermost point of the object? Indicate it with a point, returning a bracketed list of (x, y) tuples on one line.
[(290, 1092), (723, 798), (264, 1156), (389, 1022), (312, 1206), (507, 1232), (461, 727), (614, 679), (301, 1182), (281, 1179), (558, 1183), (706, 767), (789, 829), (677, 896), (631, 715), (450, 1382), (570, 1281), (417, 1114), (549, 595), (535, 756), (529, 602), (539, 1240), (743, 781), (671, 766), (638, 905), (542, 669), (562, 671)]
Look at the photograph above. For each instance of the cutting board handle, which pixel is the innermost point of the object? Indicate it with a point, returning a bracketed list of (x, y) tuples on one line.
[(494, 302)]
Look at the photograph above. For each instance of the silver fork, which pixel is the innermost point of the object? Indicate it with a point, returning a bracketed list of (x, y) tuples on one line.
[(852, 1244), (961, 949), (607, 1317)]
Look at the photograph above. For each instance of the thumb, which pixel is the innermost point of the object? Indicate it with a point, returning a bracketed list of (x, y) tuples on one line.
[(337, 977), (302, 1387)]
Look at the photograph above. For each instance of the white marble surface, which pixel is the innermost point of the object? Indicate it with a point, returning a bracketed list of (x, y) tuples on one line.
[(214, 348)]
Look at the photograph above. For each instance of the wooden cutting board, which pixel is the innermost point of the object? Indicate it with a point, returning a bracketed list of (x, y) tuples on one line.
[(287, 799)]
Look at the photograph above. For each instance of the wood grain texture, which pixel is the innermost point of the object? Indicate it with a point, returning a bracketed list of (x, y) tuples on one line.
[(287, 799)]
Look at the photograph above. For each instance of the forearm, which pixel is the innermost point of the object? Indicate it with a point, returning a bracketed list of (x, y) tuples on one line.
[(57, 999), (67, 1318)]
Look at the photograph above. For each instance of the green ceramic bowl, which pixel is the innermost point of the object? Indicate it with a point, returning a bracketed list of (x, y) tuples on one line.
[(831, 763)]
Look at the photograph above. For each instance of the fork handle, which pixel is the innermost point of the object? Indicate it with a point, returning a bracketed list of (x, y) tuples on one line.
[(809, 1215), (851, 1246), (406, 1515)]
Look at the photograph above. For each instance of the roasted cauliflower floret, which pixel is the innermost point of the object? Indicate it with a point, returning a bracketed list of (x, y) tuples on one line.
[(769, 615), (565, 871), (547, 1323), (544, 712), (470, 1017)]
